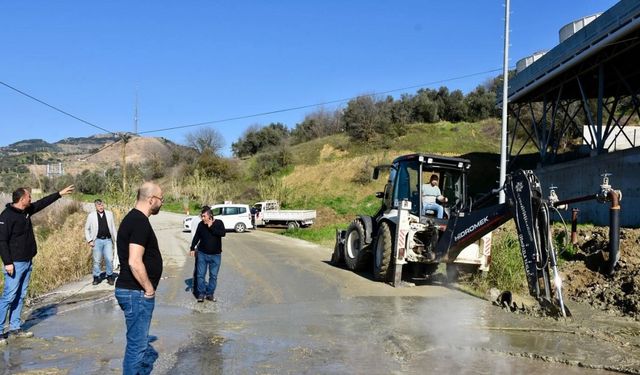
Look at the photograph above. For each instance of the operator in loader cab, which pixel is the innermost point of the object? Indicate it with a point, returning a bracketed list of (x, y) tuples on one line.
[(431, 195)]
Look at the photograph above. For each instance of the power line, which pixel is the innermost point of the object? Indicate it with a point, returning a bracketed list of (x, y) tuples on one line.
[(243, 116), (314, 105), (262, 113), (55, 108)]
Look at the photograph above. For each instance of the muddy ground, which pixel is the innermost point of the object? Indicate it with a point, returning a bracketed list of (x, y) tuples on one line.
[(283, 309), (585, 281)]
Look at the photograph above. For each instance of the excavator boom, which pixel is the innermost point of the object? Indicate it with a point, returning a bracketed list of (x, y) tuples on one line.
[(530, 213)]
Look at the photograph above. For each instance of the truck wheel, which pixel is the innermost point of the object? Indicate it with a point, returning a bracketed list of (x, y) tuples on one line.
[(292, 225), (383, 253), (240, 227), (354, 250)]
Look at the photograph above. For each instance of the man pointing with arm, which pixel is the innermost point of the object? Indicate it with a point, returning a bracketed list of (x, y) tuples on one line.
[(17, 249)]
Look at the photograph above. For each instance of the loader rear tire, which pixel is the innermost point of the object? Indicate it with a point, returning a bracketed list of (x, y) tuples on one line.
[(355, 253), (383, 254)]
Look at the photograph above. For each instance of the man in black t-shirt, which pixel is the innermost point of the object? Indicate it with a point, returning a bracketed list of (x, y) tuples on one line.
[(140, 272), (208, 241)]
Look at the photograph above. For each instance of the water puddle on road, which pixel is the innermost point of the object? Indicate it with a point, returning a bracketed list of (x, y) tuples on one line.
[(455, 333), (382, 335)]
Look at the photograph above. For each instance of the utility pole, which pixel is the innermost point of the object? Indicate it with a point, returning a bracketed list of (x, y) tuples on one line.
[(35, 171), (505, 103), (124, 137), (135, 115)]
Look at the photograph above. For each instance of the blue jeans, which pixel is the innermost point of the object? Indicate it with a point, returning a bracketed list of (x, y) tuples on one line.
[(15, 289), (102, 248), (436, 207), (139, 355), (212, 261)]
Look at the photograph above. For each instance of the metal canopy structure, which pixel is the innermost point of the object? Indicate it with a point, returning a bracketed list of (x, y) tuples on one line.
[(592, 78)]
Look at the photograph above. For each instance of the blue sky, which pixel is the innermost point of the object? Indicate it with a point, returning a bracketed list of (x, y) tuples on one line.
[(200, 61)]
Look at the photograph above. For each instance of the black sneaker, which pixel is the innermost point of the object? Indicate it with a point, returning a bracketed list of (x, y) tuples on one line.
[(211, 298), (111, 280), (96, 280), (3, 339), (20, 333), (201, 298)]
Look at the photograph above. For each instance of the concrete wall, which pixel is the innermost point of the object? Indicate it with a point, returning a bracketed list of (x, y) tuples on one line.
[(583, 177)]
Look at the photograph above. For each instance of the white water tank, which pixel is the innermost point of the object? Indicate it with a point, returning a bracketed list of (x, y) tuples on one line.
[(571, 28), (523, 63)]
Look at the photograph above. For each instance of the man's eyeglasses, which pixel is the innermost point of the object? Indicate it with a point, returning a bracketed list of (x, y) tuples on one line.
[(160, 198)]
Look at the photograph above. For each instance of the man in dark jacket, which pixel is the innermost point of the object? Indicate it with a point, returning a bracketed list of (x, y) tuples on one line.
[(208, 240), (17, 249)]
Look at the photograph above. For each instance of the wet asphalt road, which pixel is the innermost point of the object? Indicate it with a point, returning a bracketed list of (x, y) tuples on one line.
[(282, 309)]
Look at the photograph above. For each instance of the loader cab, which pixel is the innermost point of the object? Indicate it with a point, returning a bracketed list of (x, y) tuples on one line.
[(408, 173)]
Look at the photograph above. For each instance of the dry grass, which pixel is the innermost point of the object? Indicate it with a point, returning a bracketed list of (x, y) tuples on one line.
[(335, 177), (62, 257)]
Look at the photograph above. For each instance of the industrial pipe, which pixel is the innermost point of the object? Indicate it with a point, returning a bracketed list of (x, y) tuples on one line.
[(614, 231), (576, 200)]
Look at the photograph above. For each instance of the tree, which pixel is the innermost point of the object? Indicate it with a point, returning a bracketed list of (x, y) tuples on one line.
[(256, 139), (455, 108), (206, 139), (360, 119), (426, 106), (367, 119), (320, 123), (481, 104), (212, 165), (402, 111)]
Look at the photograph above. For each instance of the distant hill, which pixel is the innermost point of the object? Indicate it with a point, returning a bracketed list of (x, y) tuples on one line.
[(29, 146), (85, 144), (65, 146), (138, 151), (76, 154)]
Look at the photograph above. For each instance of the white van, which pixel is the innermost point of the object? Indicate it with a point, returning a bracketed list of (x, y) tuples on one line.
[(234, 216)]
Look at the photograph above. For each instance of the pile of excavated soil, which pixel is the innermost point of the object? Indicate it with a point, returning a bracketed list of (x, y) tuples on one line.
[(586, 280)]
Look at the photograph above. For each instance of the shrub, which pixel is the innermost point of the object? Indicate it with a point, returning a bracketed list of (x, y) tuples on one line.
[(507, 267), (270, 163), (89, 182)]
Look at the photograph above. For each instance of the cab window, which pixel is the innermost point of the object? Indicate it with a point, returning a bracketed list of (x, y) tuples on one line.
[(407, 185)]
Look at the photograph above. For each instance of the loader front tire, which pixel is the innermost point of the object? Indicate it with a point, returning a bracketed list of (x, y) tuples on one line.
[(383, 254), (355, 253)]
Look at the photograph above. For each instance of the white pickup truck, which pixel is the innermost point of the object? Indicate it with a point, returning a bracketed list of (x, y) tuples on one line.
[(269, 212)]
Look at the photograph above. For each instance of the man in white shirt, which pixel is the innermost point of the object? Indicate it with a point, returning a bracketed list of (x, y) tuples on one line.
[(100, 233), (431, 195)]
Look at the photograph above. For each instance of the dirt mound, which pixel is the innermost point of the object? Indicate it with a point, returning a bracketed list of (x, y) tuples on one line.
[(138, 150), (586, 282)]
